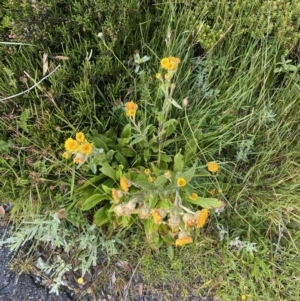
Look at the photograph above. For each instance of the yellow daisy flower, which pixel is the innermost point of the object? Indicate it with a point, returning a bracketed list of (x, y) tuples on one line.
[(80, 280), (124, 184), (158, 215), (80, 137), (131, 105), (201, 217), (86, 148), (71, 145), (193, 196), (212, 167), (181, 182), (183, 239), (130, 113)]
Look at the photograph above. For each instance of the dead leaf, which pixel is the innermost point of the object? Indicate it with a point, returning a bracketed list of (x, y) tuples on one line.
[(45, 63), (61, 57)]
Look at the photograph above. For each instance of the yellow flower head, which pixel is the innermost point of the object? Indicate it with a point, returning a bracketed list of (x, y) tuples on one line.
[(201, 217), (86, 148), (71, 145), (124, 184), (147, 171), (170, 63), (131, 108), (131, 105), (181, 182), (80, 280), (116, 194), (212, 167), (168, 76), (158, 76), (183, 239), (150, 179), (193, 196), (158, 215), (66, 155), (80, 137), (243, 297)]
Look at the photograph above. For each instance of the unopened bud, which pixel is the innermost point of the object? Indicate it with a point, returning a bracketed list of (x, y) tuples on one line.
[(185, 102)]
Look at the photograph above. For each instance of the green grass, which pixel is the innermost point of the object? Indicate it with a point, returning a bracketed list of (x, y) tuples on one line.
[(241, 113)]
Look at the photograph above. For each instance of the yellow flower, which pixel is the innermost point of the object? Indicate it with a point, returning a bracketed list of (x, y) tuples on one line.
[(80, 280), (86, 148), (193, 196), (71, 145), (201, 217), (147, 171), (158, 215), (212, 166), (183, 239), (181, 182), (131, 105), (174, 60), (66, 155), (150, 179), (124, 184), (80, 137), (158, 76), (131, 108), (243, 297), (170, 63), (168, 76), (116, 194), (130, 113)]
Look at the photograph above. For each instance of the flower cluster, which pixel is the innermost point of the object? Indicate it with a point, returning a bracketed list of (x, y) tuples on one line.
[(177, 220), (131, 108), (79, 147), (170, 64)]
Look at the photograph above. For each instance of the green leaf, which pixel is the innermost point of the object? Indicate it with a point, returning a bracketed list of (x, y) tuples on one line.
[(93, 168), (101, 217), (178, 163), (160, 181), (126, 133), (189, 174), (146, 154), (123, 141), (108, 171), (165, 158), (169, 127), (175, 103), (93, 201), (106, 189), (122, 160), (99, 143), (208, 203), (128, 152), (143, 182)]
